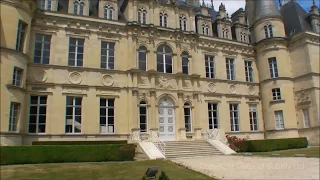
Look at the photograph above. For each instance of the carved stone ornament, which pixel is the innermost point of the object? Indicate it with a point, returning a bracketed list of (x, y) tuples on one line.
[(251, 90), (302, 97), (186, 83), (75, 78), (107, 80), (144, 94), (40, 76), (164, 83), (212, 87), (143, 80), (232, 89)]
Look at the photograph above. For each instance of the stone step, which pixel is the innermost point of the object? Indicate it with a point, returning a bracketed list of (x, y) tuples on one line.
[(189, 152), (190, 155), (191, 149)]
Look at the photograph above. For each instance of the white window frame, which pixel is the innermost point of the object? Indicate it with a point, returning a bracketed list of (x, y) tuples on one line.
[(187, 106), (230, 66), (21, 33), (142, 16), (108, 12), (107, 55), (43, 44), (74, 106), (249, 70), (279, 120), (208, 61), (183, 22), (143, 49), (306, 117), (273, 67), (185, 56), (268, 31), (145, 105), (38, 105), (17, 77), (107, 107), (163, 53), (163, 19), (46, 4), (76, 52), (276, 94), (253, 115), (14, 117), (211, 110), (205, 29), (234, 120), (225, 32), (78, 7)]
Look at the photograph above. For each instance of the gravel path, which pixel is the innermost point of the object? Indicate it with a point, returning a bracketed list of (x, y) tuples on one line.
[(244, 167)]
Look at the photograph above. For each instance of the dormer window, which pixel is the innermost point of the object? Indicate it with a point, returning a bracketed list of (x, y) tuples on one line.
[(225, 32), (243, 37), (108, 12), (268, 30), (163, 19), (46, 4), (142, 16), (205, 29), (183, 22), (78, 7)]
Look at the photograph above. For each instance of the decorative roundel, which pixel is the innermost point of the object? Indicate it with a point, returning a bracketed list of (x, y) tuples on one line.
[(40, 76), (232, 89), (170, 129), (161, 129), (107, 80), (251, 90), (75, 78), (212, 87), (161, 120), (170, 120)]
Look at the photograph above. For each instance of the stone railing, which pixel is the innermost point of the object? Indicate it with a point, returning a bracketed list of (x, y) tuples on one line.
[(215, 134)]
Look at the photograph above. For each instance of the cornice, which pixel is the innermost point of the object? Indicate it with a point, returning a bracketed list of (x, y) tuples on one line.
[(276, 79), (17, 4), (310, 74), (15, 52), (229, 81)]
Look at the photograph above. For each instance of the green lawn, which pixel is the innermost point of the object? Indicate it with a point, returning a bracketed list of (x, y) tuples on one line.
[(97, 171), (309, 152)]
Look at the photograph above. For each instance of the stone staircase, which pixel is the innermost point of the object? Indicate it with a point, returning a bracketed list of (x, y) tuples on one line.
[(180, 149)]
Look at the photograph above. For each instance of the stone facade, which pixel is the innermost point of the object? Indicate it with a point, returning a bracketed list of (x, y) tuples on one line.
[(139, 89)]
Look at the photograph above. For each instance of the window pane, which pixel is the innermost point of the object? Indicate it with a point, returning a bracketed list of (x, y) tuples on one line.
[(110, 112), (33, 110), (42, 119)]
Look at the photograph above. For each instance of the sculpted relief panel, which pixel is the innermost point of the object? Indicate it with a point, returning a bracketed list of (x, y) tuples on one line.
[(166, 83), (302, 97)]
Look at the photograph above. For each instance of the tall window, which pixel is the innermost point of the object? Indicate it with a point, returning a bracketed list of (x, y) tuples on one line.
[(46, 4), (253, 117), (187, 117), (164, 59), (106, 115), (273, 67), (183, 22), (143, 116), (142, 58), (22, 27), (42, 49), (279, 120), (108, 12), (163, 19), (13, 117), (230, 69), (213, 116), (107, 55), (306, 118), (205, 29), (185, 62), (78, 7), (73, 114), (234, 117), (37, 114), (17, 77), (209, 60), (276, 94), (76, 47), (243, 37), (268, 30), (248, 71), (142, 16), (225, 33)]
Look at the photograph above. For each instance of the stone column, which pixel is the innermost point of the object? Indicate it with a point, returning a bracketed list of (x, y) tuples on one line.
[(180, 121), (153, 118)]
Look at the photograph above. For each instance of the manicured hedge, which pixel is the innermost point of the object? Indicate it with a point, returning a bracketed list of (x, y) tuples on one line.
[(77, 142), (273, 144), (66, 153)]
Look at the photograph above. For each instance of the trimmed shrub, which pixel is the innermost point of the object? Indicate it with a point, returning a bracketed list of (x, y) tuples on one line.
[(273, 144), (66, 153), (76, 142)]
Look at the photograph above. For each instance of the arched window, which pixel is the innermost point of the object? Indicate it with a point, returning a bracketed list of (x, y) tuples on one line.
[(46, 4), (143, 116), (268, 30), (163, 19), (243, 37), (142, 58), (185, 62), (142, 16), (187, 117), (183, 22), (205, 29), (78, 7), (108, 12), (225, 32), (164, 59)]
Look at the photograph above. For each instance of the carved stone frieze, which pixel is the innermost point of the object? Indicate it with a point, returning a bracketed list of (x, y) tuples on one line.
[(164, 82), (143, 80), (302, 97)]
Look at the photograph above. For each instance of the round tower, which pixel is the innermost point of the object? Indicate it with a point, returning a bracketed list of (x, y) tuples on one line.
[(274, 66), (16, 16)]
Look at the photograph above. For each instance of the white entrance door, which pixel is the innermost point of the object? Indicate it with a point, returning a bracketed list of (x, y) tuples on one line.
[(166, 120)]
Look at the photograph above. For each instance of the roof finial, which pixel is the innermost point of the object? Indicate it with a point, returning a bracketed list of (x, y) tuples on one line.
[(280, 4), (212, 4), (203, 4), (313, 3)]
